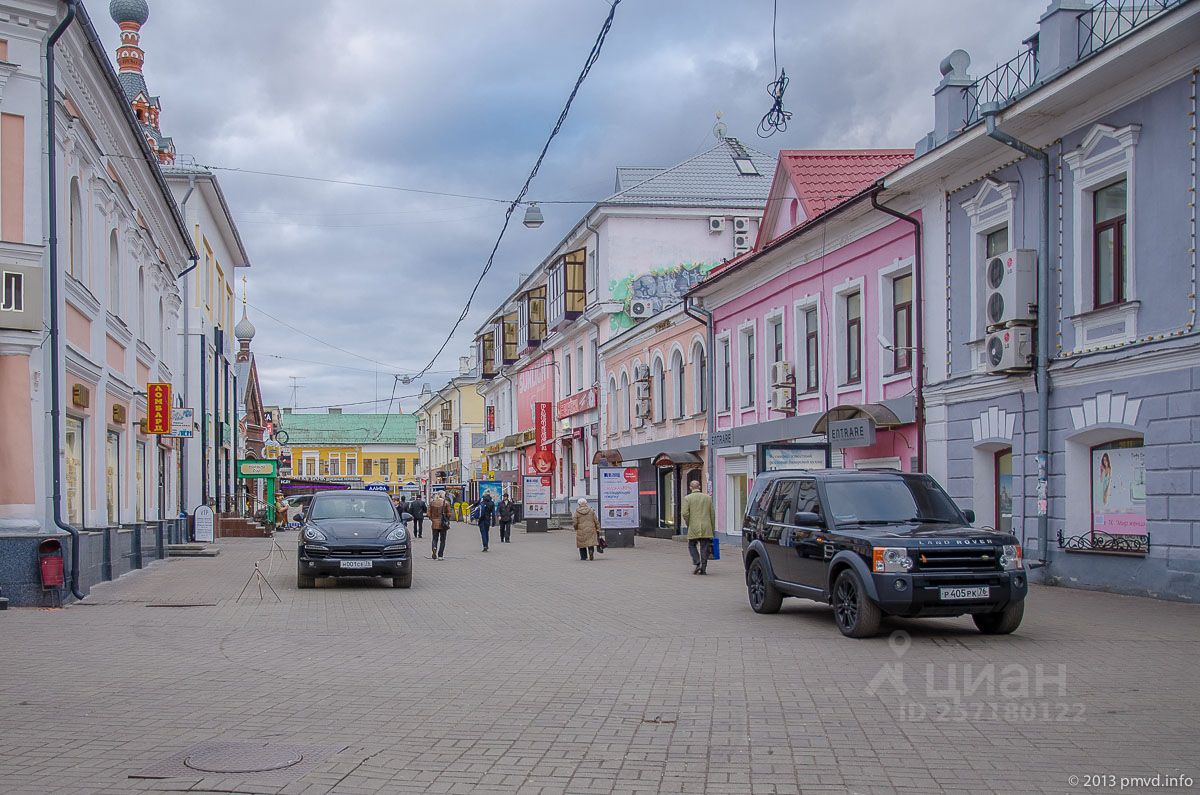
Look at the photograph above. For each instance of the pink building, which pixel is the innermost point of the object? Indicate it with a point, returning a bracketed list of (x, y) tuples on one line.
[(813, 330)]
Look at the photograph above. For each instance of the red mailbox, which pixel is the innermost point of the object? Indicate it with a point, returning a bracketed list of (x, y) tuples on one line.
[(50, 557)]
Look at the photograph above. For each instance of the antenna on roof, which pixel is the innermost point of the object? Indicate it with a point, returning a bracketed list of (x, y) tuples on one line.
[(719, 129)]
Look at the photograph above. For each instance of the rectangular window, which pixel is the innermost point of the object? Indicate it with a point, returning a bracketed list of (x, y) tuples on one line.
[(509, 330), (853, 338), (575, 282), (726, 385), (73, 449), (902, 323), (401, 467), (112, 476), (749, 363), (1119, 495), (812, 351), (1004, 490), (567, 374), (351, 466), (368, 465), (1109, 253), (579, 368), (535, 308), (487, 353), (383, 468), (996, 242), (310, 466), (666, 498), (775, 335), (139, 504), (335, 466)]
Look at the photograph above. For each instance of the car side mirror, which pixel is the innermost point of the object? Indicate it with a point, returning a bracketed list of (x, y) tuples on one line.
[(805, 518), (970, 516)]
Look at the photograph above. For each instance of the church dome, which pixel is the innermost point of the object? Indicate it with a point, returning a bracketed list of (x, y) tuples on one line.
[(129, 11), (244, 330)]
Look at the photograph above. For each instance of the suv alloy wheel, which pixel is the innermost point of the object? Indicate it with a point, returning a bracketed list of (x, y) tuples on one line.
[(856, 615), (764, 596)]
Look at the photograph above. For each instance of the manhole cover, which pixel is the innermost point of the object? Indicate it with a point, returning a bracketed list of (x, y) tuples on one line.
[(243, 760)]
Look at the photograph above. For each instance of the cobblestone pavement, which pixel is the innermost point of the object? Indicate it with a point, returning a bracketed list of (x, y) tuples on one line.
[(526, 670)]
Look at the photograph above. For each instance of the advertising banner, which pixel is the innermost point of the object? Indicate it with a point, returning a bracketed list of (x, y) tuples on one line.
[(182, 423), (586, 400), (619, 498), (492, 487), (1119, 491), (535, 384), (537, 496), (158, 408), (491, 419), (774, 457), (542, 462)]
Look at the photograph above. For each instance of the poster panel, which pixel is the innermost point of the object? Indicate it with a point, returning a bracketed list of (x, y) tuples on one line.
[(788, 456), (492, 487), (537, 496), (619, 498), (542, 461), (1119, 491)]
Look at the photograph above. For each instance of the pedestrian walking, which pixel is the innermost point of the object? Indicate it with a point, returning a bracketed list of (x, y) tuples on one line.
[(504, 513), (418, 508), (439, 521), (402, 505), (700, 518), (487, 512), (587, 530)]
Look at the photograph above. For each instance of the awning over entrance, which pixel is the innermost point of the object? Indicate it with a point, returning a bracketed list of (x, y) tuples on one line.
[(676, 459), (610, 458), (881, 415)]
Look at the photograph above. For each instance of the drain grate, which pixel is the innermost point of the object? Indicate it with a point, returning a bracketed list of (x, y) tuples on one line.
[(262, 762)]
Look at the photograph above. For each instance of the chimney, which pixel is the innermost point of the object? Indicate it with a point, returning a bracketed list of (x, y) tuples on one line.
[(950, 99), (464, 365), (1058, 36), (335, 411)]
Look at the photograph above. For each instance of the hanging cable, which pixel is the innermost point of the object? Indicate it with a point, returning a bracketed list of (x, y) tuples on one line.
[(776, 119), (593, 56)]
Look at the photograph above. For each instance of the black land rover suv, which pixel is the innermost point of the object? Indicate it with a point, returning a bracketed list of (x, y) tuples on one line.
[(873, 543)]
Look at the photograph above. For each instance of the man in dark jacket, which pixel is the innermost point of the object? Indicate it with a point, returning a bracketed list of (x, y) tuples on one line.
[(487, 512), (505, 512), (417, 508)]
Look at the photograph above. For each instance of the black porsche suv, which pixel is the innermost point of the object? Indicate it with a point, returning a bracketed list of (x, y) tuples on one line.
[(873, 543)]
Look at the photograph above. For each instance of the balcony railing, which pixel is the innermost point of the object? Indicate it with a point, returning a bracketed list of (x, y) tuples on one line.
[(1003, 84), (1108, 21)]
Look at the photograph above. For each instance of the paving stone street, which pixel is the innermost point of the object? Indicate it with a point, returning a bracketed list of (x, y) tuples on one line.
[(526, 670)]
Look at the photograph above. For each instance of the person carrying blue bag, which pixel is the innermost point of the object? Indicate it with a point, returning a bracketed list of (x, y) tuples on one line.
[(700, 517)]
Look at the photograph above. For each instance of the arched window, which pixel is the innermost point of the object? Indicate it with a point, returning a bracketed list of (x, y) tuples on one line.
[(680, 379), (794, 212), (141, 307), (624, 407), (660, 389), (114, 275), (75, 262), (700, 369), (614, 420)]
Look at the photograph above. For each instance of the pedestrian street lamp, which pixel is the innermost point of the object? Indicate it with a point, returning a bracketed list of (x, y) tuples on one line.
[(533, 216)]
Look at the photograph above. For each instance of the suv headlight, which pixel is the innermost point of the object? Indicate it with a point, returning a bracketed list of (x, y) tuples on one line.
[(311, 533), (397, 535), (890, 560), (1011, 558)]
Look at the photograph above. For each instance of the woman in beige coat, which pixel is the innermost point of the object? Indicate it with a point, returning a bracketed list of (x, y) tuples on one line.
[(587, 530)]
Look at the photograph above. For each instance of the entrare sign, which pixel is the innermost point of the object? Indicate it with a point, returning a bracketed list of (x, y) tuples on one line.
[(536, 490), (586, 400), (851, 433), (619, 498), (158, 408)]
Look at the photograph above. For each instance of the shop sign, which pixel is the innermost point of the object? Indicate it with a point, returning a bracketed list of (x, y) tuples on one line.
[(158, 408), (542, 462), (376, 487), (536, 489), (582, 401), (851, 433), (774, 457), (721, 439), (252, 468), (619, 498), (491, 419)]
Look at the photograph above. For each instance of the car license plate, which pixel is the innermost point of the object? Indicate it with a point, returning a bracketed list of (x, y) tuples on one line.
[(366, 564), (965, 593)]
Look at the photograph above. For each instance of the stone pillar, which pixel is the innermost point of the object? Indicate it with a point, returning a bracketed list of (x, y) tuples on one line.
[(18, 497), (950, 99), (1058, 36)]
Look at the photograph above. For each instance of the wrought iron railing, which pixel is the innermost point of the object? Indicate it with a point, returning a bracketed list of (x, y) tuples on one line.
[(1003, 84), (1105, 542), (1108, 21)]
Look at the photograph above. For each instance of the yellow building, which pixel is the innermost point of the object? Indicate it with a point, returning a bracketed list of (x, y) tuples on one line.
[(450, 434), (351, 448)]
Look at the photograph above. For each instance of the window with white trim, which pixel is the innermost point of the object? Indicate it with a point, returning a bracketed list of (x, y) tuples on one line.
[(624, 407), (851, 347), (700, 375), (679, 377), (724, 376), (659, 391), (808, 348), (747, 366)]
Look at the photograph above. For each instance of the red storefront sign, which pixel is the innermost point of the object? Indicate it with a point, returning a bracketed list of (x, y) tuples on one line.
[(583, 401), (491, 418), (542, 461), (158, 408)]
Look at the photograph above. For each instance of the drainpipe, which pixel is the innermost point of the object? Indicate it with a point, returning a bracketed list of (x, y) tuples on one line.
[(695, 311), (187, 327), (918, 325), (596, 376), (203, 419), (989, 111), (56, 407)]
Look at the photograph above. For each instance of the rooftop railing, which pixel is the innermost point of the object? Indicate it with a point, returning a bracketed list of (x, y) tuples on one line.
[(1003, 84), (1108, 21)]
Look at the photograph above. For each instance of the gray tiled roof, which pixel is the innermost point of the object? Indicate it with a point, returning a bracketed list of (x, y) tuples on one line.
[(133, 83), (710, 179)]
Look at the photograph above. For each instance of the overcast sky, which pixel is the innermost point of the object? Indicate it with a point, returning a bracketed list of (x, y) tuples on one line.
[(458, 96)]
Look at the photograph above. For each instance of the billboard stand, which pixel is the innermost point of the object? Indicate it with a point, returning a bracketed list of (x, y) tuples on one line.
[(619, 508), (535, 491)]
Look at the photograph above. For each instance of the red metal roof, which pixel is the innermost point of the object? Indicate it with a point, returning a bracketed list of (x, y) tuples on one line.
[(826, 177)]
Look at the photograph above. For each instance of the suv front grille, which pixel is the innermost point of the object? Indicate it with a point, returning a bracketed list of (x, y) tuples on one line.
[(355, 552), (958, 559)]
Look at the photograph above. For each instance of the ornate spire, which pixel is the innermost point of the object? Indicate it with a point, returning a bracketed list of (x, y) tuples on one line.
[(244, 330), (130, 15)]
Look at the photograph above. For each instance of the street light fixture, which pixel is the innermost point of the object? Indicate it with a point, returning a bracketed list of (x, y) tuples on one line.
[(533, 216)]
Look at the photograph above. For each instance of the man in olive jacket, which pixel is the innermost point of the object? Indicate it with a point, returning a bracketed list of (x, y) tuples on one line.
[(700, 518)]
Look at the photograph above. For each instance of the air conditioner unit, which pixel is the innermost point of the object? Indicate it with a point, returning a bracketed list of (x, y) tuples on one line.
[(640, 309), (1010, 288), (716, 223), (741, 224), (643, 390), (782, 374), (641, 372), (1009, 350), (642, 408), (741, 242), (783, 398)]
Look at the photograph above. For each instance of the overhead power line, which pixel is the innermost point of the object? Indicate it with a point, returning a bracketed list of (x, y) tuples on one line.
[(391, 368), (589, 62)]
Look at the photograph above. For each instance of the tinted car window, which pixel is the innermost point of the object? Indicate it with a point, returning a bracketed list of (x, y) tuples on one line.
[(782, 500), (806, 497), (890, 500), (352, 506)]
